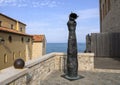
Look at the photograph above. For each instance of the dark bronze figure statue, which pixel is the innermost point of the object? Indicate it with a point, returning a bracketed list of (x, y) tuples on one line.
[(72, 61)]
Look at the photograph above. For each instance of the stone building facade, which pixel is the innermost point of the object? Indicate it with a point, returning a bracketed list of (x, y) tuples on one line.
[(11, 23), (109, 15), (39, 46), (106, 43), (14, 42)]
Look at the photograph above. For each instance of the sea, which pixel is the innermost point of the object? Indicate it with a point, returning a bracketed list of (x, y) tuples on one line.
[(62, 47)]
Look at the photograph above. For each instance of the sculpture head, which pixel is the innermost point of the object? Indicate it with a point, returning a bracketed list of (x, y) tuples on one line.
[(73, 16)]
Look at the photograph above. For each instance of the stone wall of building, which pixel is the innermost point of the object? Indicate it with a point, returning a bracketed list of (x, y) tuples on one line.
[(37, 69), (13, 47), (14, 42), (11, 23), (39, 46), (109, 17), (37, 49)]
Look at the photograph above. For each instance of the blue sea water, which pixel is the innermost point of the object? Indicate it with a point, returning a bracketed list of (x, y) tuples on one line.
[(62, 47)]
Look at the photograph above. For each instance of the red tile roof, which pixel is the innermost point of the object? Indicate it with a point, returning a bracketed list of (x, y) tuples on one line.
[(38, 38), (13, 31)]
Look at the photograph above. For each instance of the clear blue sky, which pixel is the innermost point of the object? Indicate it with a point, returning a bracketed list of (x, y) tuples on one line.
[(49, 17)]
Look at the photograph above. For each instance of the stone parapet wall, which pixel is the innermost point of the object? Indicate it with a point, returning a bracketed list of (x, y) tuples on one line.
[(34, 71), (86, 61), (38, 69)]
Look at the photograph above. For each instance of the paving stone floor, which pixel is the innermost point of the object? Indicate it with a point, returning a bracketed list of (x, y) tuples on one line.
[(107, 63), (90, 78)]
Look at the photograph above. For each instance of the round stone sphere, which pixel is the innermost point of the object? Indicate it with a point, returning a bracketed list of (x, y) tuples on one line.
[(19, 64)]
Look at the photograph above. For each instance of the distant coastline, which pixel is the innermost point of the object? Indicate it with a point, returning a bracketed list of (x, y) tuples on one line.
[(62, 47)]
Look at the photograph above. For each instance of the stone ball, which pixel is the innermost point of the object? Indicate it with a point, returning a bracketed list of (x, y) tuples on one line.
[(19, 64)]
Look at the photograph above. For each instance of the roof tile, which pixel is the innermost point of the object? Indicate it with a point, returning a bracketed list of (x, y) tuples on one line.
[(38, 38), (13, 31)]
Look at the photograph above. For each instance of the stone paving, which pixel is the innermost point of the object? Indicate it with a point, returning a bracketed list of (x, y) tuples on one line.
[(107, 63), (90, 78)]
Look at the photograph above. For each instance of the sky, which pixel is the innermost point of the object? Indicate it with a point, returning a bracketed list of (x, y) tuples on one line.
[(50, 17)]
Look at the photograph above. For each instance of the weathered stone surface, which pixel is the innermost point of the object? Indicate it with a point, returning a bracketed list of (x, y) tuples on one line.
[(38, 70), (86, 62), (89, 78)]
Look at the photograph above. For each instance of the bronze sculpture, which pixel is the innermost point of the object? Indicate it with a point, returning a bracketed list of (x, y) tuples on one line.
[(72, 61)]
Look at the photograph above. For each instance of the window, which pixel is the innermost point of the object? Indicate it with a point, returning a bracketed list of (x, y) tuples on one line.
[(24, 52), (105, 7), (19, 54), (21, 29), (13, 56), (109, 5), (28, 40), (0, 23), (5, 58), (11, 26), (22, 39), (101, 17), (103, 13), (10, 39)]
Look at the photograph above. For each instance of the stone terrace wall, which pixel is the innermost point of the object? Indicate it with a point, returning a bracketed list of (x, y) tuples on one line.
[(86, 61), (36, 70)]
